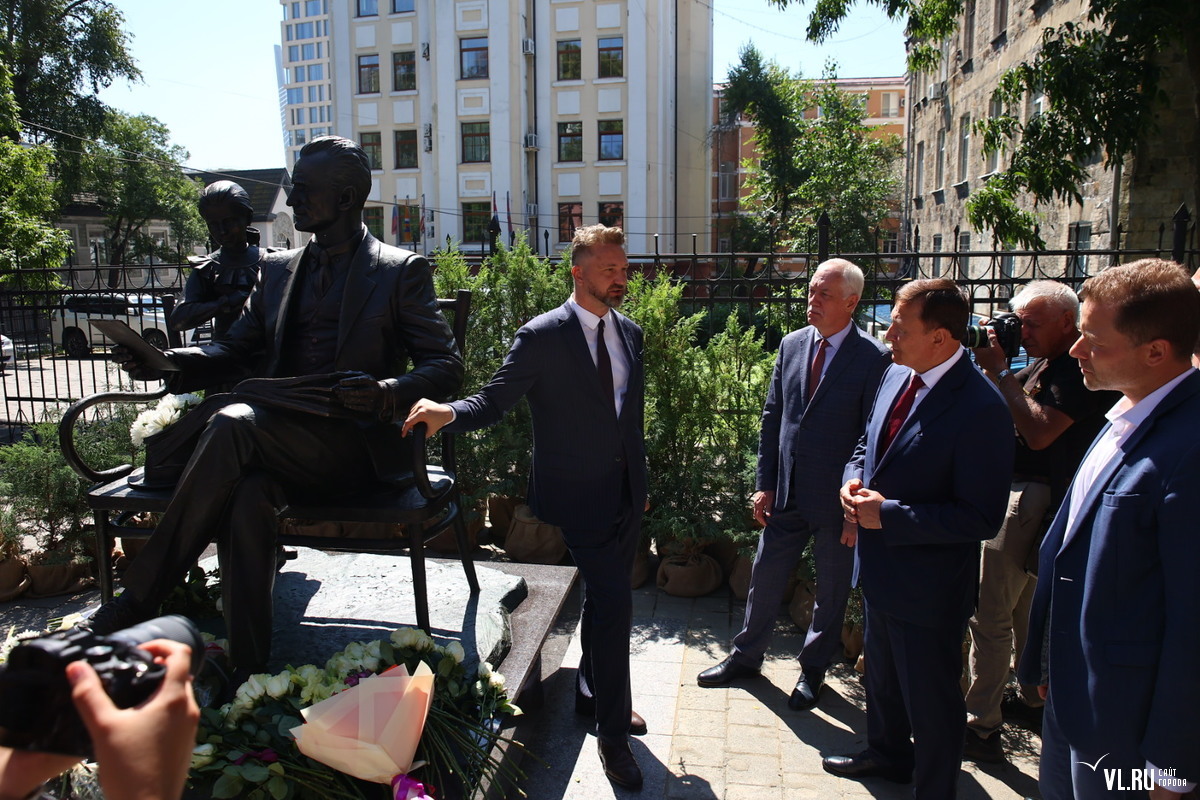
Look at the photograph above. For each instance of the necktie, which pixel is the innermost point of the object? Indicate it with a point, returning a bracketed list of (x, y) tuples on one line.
[(324, 269), (900, 412), (604, 365), (818, 364)]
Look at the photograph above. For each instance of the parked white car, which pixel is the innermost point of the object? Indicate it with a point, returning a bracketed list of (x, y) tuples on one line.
[(70, 325), (8, 353)]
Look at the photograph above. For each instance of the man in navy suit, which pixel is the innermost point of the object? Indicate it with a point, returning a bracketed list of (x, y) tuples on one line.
[(928, 482), (1114, 628), (580, 367), (821, 391)]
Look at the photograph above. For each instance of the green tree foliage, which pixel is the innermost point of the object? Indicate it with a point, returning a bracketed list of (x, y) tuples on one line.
[(1101, 79), (27, 237), (60, 54), (133, 172), (831, 163)]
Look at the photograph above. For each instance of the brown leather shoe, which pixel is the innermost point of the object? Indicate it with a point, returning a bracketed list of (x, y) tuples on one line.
[(586, 707), (620, 767)]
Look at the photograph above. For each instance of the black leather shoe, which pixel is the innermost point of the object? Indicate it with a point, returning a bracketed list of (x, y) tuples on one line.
[(804, 696), (620, 767), (725, 673), (864, 765), (983, 749), (1017, 710), (117, 614), (586, 707)]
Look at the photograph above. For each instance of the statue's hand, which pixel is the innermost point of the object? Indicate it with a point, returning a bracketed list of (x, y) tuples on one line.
[(362, 394), (126, 360)]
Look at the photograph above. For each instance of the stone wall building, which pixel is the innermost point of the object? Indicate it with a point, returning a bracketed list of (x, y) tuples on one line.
[(946, 162)]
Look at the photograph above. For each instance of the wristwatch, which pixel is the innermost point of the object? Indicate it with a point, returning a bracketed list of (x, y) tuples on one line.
[(1002, 374)]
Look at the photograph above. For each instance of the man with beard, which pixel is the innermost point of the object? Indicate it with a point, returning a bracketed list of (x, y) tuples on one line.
[(580, 367)]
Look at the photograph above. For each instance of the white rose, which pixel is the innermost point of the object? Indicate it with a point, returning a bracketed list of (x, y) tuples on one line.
[(485, 669), (203, 754), (405, 638), (456, 650), (279, 685), (496, 680)]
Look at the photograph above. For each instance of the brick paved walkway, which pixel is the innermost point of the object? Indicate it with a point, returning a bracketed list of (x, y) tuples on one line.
[(730, 743)]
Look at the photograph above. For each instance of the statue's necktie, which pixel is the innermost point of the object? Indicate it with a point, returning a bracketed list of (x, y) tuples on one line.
[(818, 364), (604, 366), (900, 412), (324, 271)]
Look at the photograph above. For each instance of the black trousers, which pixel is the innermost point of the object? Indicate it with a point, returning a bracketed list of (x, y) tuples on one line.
[(913, 690), (248, 460), (604, 558)]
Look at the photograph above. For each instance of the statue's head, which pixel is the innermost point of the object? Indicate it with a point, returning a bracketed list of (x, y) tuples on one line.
[(330, 183), (227, 212)]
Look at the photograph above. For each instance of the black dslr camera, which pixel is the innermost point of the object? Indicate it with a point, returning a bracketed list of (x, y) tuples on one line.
[(36, 712), (1008, 332)]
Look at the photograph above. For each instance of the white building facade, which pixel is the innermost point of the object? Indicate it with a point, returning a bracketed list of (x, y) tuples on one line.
[(547, 114)]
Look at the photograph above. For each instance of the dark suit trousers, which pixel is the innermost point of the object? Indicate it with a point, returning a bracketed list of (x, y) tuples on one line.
[(1065, 773), (913, 689), (780, 548), (230, 492), (605, 561)]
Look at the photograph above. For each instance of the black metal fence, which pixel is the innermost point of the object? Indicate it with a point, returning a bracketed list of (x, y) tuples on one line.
[(766, 290)]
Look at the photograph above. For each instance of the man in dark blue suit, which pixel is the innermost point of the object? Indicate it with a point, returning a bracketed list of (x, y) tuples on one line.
[(580, 367), (821, 391), (1114, 628), (928, 482)]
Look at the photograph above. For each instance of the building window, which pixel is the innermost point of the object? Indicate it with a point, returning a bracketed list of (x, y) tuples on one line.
[(964, 261), (368, 74), (919, 171), (402, 6), (612, 139), (1001, 17), (612, 214), (406, 149), (937, 258), (295, 96), (570, 141), (964, 146), (612, 57), (1079, 238), (298, 136), (473, 57), (570, 217), (995, 109), (727, 184), (373, 219), (304, 30), (475, 221), (939, 166), (1036, 104), (889, 104), (293, 52), (368, 8), (968, 31), (404, 71), (570, 60), (891, 242), (316, 94), (316, 72), (372, 143), (476, 142), (314, 7)]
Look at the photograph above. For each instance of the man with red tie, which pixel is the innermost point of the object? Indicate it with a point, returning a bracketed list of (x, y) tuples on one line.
[(580, 368), (928, 482)]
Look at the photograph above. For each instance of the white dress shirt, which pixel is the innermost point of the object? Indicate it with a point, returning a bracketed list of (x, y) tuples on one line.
[(612, 339)]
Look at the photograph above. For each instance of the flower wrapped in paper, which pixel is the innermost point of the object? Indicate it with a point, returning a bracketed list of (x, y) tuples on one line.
[(371, 730)]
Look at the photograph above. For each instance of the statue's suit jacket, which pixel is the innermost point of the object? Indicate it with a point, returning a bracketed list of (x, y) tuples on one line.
[(582, 451), (946, 481), (804, 446), (1119, 601), (389, 315)]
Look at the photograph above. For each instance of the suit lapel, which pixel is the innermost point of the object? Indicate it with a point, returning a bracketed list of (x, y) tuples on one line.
[(932, 406), (635, 377), (841, 360), (360, 283), (804, 355), (277, 316), (578, 347), (894, 381)]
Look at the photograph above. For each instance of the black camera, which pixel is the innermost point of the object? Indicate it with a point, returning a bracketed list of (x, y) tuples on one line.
[(1008, 333), (36, 711)]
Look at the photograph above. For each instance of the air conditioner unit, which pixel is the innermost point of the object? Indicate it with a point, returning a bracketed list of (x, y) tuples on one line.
[(425, 50), (531, 141), (428, 137), (936, 90), (429, 215), (527, 47), (531, 209)]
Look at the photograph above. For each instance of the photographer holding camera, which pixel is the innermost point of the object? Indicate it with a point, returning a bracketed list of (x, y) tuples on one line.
[(144, 752), (1056, 418)]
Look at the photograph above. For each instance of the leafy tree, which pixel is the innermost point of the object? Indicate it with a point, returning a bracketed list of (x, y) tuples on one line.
[(1101, 79), (831, 163), (60, 54), (133, 171), (27, 237)]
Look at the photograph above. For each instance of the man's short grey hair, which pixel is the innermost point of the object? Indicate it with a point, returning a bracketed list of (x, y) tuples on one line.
[(1059, 294), (850, 272)]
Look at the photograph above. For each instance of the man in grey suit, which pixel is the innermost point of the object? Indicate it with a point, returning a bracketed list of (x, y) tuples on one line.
[(580, 368), (821, 391)]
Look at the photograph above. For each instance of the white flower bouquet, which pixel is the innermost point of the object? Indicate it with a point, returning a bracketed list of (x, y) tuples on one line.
[(169, 410)]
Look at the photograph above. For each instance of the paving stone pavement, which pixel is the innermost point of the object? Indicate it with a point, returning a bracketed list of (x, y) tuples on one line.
[(728, 743)]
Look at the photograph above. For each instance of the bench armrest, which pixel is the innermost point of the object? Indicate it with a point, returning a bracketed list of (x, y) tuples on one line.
[(66, 432)]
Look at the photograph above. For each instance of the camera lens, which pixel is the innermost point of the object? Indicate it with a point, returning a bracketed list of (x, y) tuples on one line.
[(173, 627)]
